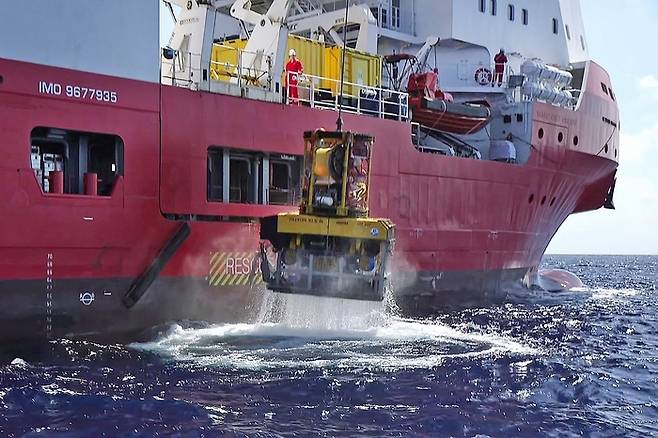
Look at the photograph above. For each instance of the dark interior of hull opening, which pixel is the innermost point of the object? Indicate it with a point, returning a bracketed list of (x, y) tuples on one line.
[(75, 162), (244, 177)]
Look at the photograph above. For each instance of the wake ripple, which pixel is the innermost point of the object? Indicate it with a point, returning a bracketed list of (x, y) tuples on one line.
[(294, 332)]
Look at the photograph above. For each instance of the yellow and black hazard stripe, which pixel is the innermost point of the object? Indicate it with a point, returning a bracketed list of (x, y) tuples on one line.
[(222, 269)]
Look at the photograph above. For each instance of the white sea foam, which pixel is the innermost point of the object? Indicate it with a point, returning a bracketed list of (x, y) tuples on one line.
[(18, 363), (608, 293), (296, 332), (55, 389), (523, 295)]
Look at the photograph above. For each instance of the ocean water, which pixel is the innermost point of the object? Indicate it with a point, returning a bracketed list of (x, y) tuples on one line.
[(580, 363)]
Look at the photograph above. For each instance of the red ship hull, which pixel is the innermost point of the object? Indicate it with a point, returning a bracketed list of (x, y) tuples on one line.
[(465, 228)]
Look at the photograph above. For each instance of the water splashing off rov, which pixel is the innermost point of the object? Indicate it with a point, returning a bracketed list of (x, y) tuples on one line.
[(330, 247)]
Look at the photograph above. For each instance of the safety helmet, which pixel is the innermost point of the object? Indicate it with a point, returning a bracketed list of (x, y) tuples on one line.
[(292, 52)]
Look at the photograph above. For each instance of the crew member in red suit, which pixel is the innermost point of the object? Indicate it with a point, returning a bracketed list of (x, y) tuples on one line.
[(500, 59), (294, 68)]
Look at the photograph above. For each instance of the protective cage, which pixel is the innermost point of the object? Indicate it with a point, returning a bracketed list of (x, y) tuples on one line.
[(330, 248)]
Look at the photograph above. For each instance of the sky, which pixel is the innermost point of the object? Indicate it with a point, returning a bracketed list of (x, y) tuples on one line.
[(621, 38)]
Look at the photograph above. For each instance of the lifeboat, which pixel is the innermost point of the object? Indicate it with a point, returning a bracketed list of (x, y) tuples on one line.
[(435, 110)]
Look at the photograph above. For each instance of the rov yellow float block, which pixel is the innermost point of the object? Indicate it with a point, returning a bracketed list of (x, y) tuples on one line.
[(351, 228)]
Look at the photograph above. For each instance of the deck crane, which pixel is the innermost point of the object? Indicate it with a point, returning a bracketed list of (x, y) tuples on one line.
[(194, 36), (266, 47), (329, 22)]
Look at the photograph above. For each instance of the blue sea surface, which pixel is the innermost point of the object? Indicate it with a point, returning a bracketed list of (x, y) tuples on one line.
[(579, 363)]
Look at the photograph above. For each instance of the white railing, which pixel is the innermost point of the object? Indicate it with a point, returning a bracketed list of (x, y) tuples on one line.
[(315, 91), (182, 71), (471, 77), (239, 74), (324, 93), (185, 70)]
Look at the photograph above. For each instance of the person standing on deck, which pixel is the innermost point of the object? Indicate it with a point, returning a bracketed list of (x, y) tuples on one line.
[(294, 68), (500, 60)]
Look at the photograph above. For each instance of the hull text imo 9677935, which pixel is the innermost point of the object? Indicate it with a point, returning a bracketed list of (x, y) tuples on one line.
[(134, 177)]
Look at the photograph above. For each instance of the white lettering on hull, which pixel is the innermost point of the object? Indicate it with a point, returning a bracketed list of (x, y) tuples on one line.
[(78, 92)]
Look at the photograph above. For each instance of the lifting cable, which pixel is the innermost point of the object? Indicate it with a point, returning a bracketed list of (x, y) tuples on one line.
[(339, 122)]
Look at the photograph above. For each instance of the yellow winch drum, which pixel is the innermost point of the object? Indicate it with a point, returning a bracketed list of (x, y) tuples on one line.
[(321, 163)]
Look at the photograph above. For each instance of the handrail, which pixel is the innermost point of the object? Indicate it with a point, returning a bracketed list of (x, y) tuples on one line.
[(362, 99), (250, 75), (314, 91), (188, 74)]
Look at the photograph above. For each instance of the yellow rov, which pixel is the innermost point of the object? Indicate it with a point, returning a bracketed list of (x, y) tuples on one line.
[(330, 248)]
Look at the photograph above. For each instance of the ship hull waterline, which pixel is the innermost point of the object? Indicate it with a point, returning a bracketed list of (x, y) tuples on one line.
[(465, 227)]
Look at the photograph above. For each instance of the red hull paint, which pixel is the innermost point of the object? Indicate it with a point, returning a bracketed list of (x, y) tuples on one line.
[(452, 214)]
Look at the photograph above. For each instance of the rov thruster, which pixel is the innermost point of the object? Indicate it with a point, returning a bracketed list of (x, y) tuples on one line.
[(330, 247)]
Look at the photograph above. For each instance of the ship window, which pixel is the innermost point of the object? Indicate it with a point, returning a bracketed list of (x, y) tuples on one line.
[(531, 198), (553, 201), (543, 200), (612, 95), (243, 181), (215, 175), (582, 42), (540, 134), (90, 163), (384, 18), (285, 178), (483, 6), (510, 12), (494, 7), (524, 13), (560, 137), (555, 26), (566, 28), (395, 13), (604, 88), (246, 177), (575, 140)]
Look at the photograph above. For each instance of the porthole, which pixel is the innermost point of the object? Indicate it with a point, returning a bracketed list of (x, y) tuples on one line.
[(553, 201), (543, 200), (560, 137), (615, 153), (575, 141), (531, 198), (606, 148), (541, 133)]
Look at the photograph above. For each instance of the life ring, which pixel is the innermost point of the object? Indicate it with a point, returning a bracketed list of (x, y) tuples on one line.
[(483, 76)]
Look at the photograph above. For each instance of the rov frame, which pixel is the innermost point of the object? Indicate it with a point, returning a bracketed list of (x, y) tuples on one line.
[(330, 247)]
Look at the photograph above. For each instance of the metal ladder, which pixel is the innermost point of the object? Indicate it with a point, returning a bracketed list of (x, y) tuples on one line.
[(308, 7)]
